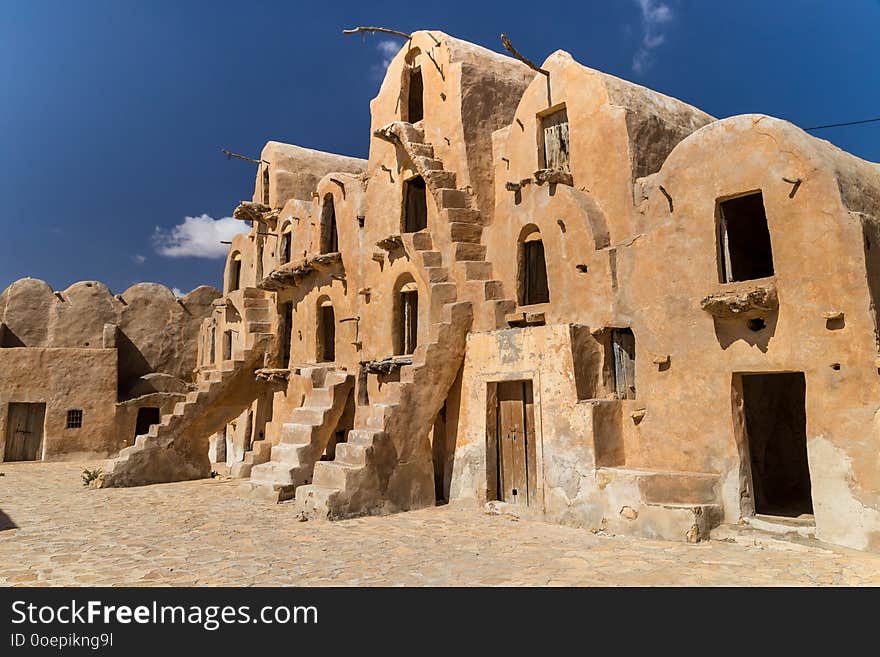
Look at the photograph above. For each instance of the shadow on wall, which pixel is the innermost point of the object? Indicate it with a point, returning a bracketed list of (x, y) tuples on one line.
[(6, 522), (755, 331), (8, 339), (132, 362)]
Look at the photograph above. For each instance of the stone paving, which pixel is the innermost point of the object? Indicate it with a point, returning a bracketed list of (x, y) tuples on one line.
[(210, 533)]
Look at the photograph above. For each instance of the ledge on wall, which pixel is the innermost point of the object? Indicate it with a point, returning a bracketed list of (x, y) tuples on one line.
[(742, 301)]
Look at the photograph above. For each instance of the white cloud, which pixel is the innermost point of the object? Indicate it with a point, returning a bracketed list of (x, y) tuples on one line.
[(176, 291), (388, 49), (656, 16), (138, 259), (198, 237)]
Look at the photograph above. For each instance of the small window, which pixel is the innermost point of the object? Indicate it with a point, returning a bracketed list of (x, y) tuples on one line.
[(533, 271), (408, 319), (554, 141), (623, 349), (74, 419), (284, 248), (415, 205), (744, 251), (265, 184), (415, 102), (329, 236), (213, 356), (235, 273)]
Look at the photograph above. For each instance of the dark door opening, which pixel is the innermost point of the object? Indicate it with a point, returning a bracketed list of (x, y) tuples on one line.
[(148, 415), (415, 205), (24, 434), (415, 104), (329, 235), (286, 334), (534, 272), (326, 334), (408, 320), (744, 239), (513, 435), (776, 430)]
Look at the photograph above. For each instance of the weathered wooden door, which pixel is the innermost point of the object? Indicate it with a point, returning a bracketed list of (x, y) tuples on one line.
[(24, 436), (623, 344), (515, 433), (556, 141)]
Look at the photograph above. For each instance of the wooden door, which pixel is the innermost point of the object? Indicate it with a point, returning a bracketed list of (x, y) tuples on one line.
[(556, 141), (24, 436), (515, 433), (623, 344)]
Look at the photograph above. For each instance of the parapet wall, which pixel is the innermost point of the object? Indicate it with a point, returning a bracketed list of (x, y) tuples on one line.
[(156, 331)]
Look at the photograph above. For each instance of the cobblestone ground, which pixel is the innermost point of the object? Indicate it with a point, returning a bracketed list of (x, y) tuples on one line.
[(209, 533)]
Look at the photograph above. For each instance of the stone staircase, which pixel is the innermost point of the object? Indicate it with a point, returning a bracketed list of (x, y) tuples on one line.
[(464, 223), (176, 449), (385, 465), (305, 437)]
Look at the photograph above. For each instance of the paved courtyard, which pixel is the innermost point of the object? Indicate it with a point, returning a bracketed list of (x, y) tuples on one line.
[(210, 533)]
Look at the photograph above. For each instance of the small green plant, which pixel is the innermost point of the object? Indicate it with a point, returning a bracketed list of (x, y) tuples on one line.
[(88, 476)]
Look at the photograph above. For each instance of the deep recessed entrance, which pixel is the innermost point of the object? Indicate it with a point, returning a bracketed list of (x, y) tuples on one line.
[(776, 438), (146, 417)]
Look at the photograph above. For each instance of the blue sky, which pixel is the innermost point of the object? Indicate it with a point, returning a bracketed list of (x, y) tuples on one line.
[(113, 112)]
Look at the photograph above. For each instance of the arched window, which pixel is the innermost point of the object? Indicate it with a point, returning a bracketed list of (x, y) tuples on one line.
[(406, 318), (326, 332), (532, 269), (329, 237), (234, 276), (415, 205)]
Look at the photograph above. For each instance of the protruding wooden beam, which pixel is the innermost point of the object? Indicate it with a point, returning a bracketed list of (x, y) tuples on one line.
[(513, 51), (383, 30)]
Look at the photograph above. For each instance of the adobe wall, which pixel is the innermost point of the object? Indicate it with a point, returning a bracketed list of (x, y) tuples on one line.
[(819, 259), (64, 379), (156, 331)]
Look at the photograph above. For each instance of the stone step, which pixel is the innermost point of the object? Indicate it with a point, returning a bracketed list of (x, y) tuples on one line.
[(476, 270), (452, 198), (431, 258), (444, 292), (461, 232), (332, 474), (294, 433), (288, 453), (422, 241), (352, 454), (261, 314), (467, 251), (363, 436), (313, 415), (436, 274), (319, 397), (464, 215), (421, 150), (258, 327), (440, 179), (314, 501), (427, 164)]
